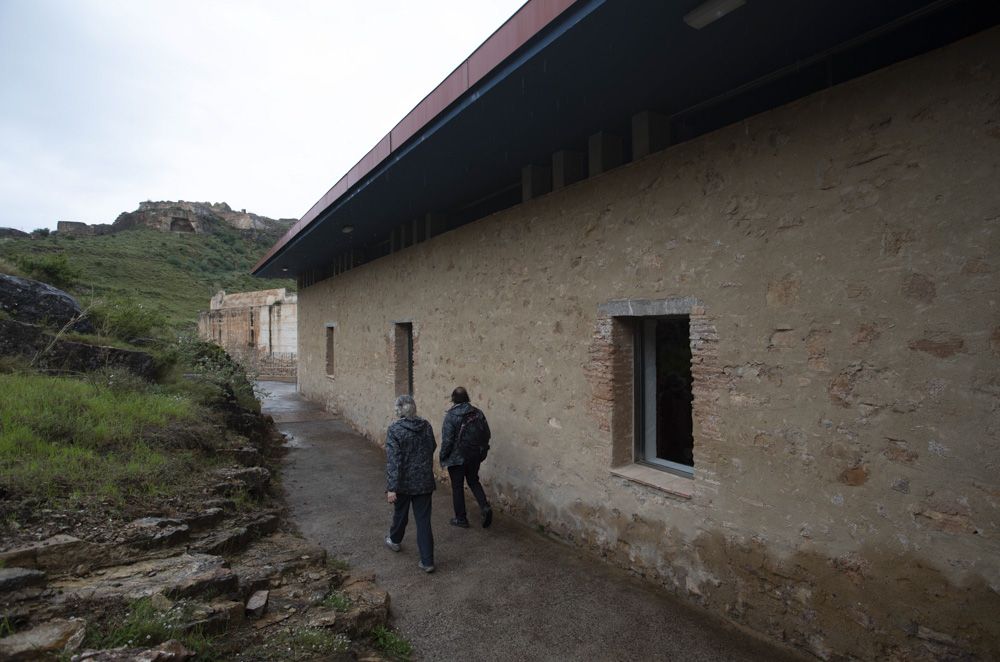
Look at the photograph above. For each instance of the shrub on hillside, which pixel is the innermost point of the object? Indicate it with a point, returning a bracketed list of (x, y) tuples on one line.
[(52, 269), (125, 318)]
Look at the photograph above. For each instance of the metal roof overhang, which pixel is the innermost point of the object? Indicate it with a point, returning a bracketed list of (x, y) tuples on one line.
[(588, 66)]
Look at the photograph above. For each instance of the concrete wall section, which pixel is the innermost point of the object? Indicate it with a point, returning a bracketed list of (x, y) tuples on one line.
[(259, 328), (839, 258)]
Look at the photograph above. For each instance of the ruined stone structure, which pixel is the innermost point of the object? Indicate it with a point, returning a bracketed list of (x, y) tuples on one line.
[(78, 229), (833, 262), (256, 328), (180, 216)]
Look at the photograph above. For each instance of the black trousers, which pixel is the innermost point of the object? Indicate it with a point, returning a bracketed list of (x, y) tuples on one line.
[(422, 515), (466, 473)]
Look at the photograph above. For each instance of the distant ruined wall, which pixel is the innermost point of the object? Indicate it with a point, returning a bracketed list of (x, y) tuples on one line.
[(839, 260), (76, 229), (257, 328)]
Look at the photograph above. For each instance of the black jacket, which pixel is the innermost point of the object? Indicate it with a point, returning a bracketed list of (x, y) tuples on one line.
[(409, 457), (451, 454)]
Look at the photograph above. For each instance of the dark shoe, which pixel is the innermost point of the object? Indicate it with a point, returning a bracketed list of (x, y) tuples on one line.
[(394, 546), (461, 523), (487, 517), (426, 568)]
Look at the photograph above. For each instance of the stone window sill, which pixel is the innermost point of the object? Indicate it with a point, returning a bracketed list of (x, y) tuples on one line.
[(674, 486)]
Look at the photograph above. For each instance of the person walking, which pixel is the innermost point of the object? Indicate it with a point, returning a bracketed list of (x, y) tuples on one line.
[(409, 478), (465, 441)]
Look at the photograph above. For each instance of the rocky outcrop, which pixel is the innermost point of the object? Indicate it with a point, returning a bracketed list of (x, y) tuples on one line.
[(196, 217), (54, 354), (32, 302), (12, 233), (46, 641)]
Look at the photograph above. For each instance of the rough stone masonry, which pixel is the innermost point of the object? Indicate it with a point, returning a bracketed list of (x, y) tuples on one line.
[(838, 258)]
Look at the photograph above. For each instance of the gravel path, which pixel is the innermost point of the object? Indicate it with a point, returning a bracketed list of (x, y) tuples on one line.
[(504, 593)]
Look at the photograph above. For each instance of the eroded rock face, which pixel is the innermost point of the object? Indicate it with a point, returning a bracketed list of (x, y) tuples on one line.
[(32, 302), (171, 650), (58, 553), (31, 340), (12, 579), (45, 641), (187, 575)]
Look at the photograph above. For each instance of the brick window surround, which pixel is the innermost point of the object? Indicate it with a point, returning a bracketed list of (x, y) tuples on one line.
[(611, 373)]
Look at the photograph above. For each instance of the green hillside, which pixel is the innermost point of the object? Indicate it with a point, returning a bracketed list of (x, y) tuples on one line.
[(174, 273)]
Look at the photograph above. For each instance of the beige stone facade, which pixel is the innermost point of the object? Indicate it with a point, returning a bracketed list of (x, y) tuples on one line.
[(837, 258), (258, 328)]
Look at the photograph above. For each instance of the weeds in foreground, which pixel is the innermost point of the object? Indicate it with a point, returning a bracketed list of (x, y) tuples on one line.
[(6, 627), (338, 564), (336, 601), (61, 436), (144, 626), (391, 643), (306, 643)]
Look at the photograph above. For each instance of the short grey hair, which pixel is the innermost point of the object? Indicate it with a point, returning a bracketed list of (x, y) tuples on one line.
[(406, 407)]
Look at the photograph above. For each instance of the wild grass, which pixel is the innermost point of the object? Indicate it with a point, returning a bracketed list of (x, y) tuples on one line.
[(65, 437), (391, 643), (308, 643), (336, 601), (143, 626), (172, 274)]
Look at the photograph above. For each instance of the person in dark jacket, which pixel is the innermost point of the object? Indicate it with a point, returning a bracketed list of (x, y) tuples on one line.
[(409, 478), (463, 469)]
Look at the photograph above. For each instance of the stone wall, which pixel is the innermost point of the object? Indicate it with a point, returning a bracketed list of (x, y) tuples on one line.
[(838, 259), (258, 328)]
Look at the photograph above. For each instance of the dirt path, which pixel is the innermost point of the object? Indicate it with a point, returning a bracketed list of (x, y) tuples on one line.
[(506, 593)]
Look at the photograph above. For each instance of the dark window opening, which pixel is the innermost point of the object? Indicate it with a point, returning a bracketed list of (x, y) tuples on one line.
[(329, 351), (664, 430), (404, 358)]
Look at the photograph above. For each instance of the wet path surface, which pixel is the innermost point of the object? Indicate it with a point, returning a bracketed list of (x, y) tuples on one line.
[(504, 593)]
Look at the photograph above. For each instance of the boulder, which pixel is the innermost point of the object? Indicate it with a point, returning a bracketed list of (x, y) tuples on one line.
[(369, 605), (225, 542), (215, 617), (257, 604), (30, 301), (12, 579), (206, 519), (157, 532), (44, 641), (253, 479)]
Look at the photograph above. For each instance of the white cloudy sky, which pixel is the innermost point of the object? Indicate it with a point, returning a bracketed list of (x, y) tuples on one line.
[(263, 104)]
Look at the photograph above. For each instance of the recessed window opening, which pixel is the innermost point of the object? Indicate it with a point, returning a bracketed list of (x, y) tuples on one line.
[(404, 358), (329, 350), (663, 430)]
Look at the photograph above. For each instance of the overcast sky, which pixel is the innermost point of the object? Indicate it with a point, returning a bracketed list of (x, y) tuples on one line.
[(261, 104)]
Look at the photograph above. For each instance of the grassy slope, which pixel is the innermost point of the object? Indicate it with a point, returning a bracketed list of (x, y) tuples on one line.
[(173, 272)]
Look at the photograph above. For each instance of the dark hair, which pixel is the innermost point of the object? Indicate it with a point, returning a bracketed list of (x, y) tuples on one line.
[(459, 395)]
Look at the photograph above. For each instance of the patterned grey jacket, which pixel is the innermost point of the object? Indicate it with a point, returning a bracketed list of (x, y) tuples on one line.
[(409, 457)]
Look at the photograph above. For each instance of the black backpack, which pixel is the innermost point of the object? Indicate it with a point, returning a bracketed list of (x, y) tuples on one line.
[(474, 436)]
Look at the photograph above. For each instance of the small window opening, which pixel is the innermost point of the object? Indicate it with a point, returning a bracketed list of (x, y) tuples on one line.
[(664, 431), (329, 350), (404, 358)]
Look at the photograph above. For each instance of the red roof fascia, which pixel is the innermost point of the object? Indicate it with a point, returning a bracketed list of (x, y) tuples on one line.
[(528, 21)]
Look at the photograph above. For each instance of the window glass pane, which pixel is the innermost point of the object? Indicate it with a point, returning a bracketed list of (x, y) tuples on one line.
[(674, 439)]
